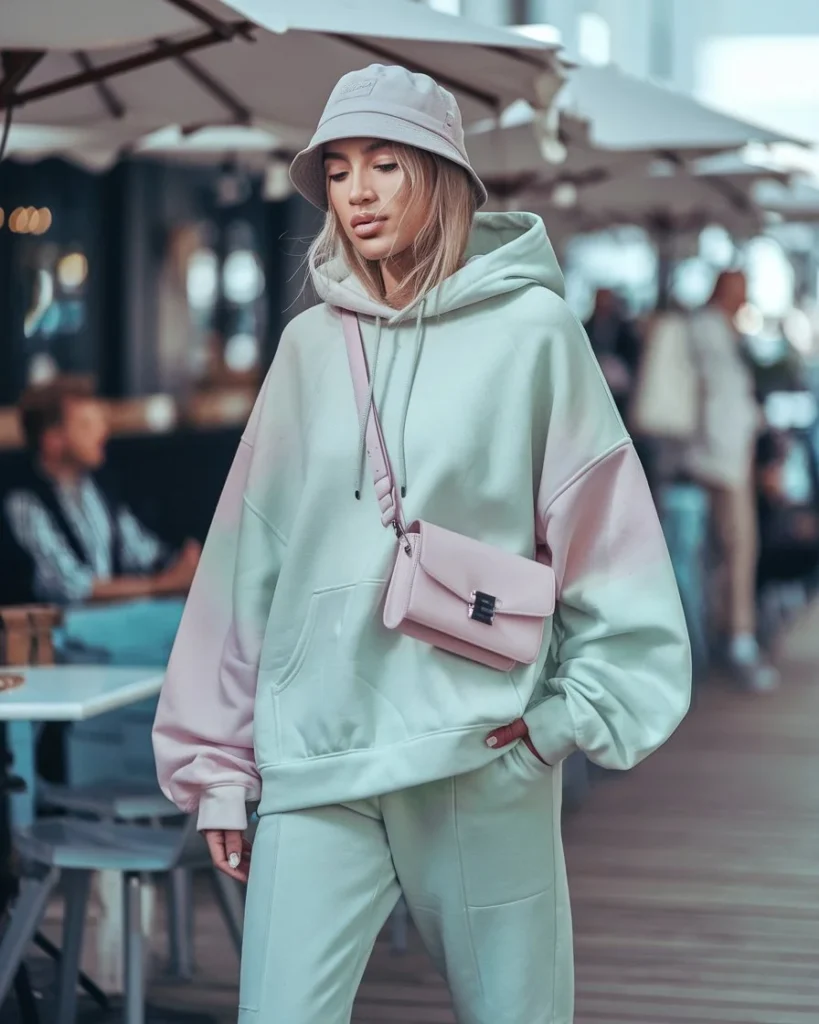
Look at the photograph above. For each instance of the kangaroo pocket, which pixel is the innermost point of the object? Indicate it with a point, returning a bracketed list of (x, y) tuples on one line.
[(346, 683)]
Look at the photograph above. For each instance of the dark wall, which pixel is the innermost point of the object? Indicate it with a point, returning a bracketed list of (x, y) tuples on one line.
[(75, 199), (120, 220)]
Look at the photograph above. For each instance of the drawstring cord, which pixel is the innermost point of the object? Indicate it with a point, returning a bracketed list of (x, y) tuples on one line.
[(362, 439), (418, 344)]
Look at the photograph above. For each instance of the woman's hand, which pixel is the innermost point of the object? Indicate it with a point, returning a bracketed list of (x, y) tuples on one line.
[(229, 851), (517, 730)]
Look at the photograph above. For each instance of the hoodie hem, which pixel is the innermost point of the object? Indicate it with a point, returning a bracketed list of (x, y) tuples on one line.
[(364, 774)]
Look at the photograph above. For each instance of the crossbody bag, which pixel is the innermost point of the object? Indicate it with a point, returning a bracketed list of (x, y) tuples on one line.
[(449, 590)]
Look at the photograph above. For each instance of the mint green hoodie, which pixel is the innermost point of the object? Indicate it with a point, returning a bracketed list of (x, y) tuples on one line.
[(285, 686)]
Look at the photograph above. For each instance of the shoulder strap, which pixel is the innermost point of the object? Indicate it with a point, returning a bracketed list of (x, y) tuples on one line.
[(383, 477)]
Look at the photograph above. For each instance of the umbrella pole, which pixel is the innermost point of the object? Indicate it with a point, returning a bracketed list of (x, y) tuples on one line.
[(664, 235)]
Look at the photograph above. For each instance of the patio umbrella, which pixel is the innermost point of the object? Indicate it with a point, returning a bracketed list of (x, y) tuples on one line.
[(138, 67), (670, 200), (797, 203), (626, 122)]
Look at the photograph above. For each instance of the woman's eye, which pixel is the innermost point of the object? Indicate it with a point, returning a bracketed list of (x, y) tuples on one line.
[(338, 176), (386, 168)]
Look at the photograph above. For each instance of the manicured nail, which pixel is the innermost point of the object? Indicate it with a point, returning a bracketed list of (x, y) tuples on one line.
[(491, 741), (234, 859)]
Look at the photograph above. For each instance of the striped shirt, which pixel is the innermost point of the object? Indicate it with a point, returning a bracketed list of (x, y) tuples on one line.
[(59, 575)]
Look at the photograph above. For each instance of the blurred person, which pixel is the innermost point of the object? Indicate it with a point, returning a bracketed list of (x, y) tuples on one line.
[(82, 543), (721, 458), (384, 764), (788, 522), (616, 344)]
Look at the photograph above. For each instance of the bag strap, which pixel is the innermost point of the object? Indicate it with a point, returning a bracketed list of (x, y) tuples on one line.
[(383, 477)]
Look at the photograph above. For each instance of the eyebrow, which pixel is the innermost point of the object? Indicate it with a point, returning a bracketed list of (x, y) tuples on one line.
[(372, 148)]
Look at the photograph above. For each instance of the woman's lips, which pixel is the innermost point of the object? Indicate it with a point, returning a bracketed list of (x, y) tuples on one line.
[(368, 228)]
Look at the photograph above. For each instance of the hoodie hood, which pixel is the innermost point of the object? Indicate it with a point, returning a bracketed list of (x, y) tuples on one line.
[(505, 252)]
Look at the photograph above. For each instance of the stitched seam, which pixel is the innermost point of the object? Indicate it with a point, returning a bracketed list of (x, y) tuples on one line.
[(357, 975), (273, 916), (509, 903), (624, 442), (263, 519), (557, 781), (364, 750), (467, 918)]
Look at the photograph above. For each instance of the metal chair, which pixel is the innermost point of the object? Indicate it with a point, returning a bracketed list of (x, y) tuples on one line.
[(69, 850)]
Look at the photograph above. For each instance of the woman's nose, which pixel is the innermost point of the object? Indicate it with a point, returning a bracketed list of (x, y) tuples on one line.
[(361, 190)]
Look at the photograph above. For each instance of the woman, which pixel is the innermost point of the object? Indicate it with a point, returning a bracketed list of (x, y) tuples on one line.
[(381, 763)]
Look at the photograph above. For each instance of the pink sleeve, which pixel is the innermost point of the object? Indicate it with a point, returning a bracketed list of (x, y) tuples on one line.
[(621, 658), (203, 733)]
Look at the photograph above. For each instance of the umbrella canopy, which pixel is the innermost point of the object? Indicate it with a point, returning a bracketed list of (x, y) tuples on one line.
[(142, 66), (627, 123), (797, 203), (669, 200), (631, 113)]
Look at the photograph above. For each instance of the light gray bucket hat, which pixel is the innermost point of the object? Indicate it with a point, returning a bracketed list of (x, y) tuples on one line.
[(387, 103)]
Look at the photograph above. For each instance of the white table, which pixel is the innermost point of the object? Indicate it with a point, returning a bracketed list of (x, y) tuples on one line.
[(63, 693), (71, 693)]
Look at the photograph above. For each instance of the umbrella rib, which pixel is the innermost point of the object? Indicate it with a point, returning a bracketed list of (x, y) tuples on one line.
[(735, 196), (238, 111), (487, 98), (120, 67), (112, 103), (224, 29)]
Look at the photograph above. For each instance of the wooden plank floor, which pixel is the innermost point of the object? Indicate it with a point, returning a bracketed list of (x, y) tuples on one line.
[(695, 882)]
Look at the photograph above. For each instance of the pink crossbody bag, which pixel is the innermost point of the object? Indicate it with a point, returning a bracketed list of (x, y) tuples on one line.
[(448, 590)]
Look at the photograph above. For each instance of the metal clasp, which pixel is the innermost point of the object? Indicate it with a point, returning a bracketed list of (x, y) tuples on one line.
[(481, 607), (400, 533)]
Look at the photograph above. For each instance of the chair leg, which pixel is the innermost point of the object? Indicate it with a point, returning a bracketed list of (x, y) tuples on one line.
[(230, 898), (77, 888), (25, 997), (28, 911), (180, 922), (134, 954), (398, 928)]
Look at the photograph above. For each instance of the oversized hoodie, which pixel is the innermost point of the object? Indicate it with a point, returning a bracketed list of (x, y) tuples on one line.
[(284, 685)]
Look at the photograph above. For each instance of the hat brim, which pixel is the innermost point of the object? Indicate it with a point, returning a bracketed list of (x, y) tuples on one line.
[(307, 169)]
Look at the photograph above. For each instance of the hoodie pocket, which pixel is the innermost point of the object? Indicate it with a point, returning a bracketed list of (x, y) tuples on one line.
[(332, 693)]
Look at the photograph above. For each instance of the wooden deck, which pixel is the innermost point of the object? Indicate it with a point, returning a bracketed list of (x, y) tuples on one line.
[(695, 882)]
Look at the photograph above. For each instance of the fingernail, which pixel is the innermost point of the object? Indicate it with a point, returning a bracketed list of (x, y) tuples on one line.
[(491, 741), (234, 860)]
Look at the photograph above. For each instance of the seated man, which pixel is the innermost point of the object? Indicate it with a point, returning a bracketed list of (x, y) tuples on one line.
[(82, 542)]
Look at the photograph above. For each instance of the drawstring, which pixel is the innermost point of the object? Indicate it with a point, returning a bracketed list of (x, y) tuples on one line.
[(362, 439), (418, 344)]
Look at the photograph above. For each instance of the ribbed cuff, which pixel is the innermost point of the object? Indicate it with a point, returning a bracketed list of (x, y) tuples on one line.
[(551, 729), (223, 807)]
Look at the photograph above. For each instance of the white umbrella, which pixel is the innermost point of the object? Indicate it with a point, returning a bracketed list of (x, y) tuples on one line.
[(136, 67), (628, 122), (632, 113), (672, 200), (797, 203)]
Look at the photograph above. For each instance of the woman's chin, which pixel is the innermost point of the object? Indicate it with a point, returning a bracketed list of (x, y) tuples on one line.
[(373, 248)]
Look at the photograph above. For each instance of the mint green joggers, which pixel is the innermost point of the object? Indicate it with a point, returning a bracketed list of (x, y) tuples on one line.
[(479, 860)]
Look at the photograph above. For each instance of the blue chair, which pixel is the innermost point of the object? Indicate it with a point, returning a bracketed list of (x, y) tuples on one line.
[(68, 850), (110, 763)]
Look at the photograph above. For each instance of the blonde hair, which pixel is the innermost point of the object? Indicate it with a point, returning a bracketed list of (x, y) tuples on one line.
[(438, 249)]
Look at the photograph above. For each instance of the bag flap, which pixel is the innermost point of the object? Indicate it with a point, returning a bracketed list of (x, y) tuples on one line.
[(520, 586)]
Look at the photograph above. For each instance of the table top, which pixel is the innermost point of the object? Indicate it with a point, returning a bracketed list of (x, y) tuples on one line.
[(70, 693)]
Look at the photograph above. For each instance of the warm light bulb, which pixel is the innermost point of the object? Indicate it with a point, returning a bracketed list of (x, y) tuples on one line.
[(44, 221)]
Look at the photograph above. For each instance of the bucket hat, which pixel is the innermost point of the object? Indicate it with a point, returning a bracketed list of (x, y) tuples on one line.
[(389, 103)]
